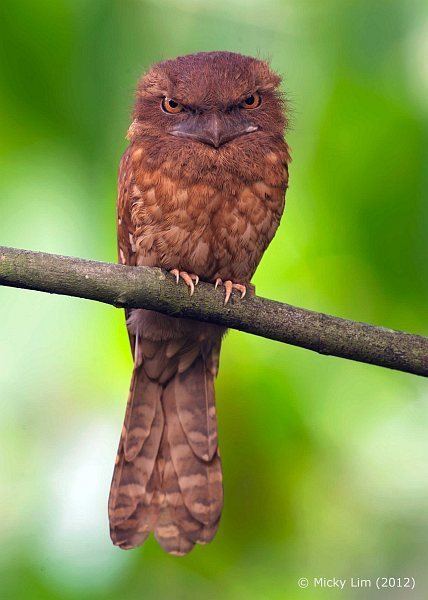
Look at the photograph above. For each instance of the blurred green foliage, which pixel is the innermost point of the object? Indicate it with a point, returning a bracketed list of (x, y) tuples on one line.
[(325, 460)]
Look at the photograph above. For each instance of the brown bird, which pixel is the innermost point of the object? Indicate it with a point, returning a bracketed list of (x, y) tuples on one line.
[(201, 194)]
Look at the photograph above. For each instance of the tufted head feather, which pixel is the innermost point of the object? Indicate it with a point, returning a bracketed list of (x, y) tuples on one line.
[(210, 92), (208, 79)]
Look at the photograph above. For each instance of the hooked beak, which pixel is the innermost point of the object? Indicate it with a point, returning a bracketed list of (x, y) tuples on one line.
[(213, 130)]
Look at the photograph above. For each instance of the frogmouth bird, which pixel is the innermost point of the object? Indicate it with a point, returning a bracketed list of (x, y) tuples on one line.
[(200, 194)]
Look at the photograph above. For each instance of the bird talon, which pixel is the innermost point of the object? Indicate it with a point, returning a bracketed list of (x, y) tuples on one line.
[(229, 286), (188, 279), (176, 274), (240, 288)]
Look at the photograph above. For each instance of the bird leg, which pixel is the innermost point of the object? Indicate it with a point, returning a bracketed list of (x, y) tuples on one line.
[(188, 279), (229, 286)]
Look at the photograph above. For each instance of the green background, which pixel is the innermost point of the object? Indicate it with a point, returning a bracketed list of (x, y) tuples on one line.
[(325, 460)]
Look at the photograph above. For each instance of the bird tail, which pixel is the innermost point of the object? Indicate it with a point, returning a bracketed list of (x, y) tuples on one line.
[(167, 478)]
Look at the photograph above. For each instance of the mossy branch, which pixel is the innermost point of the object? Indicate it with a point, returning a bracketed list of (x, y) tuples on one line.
[(152, 288)]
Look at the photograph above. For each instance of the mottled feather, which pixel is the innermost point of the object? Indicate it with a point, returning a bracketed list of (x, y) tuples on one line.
[(211, 211)]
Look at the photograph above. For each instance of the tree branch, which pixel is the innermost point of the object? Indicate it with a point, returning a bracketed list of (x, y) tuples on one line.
[(152, 288)]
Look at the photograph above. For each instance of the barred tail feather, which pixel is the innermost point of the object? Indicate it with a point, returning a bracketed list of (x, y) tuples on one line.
[(167, 477)]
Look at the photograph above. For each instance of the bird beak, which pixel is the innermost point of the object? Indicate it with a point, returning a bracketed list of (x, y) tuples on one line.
[(214, 130)]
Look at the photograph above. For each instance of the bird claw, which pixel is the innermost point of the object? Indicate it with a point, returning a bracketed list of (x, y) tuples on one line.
[(188, 279), (229, 286)]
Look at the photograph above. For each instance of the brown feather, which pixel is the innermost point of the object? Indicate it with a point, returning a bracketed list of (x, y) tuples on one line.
[(194, 395), (211, 211), (169, 530), (132, 473), (200, 482), (144, 399)]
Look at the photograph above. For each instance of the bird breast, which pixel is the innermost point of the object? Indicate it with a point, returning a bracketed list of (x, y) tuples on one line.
[(212, 231)]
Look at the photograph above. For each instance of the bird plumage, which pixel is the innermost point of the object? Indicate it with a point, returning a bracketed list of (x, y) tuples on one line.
[(207, 210)]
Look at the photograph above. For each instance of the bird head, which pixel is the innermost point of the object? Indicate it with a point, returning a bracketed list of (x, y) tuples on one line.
[(219, 107)]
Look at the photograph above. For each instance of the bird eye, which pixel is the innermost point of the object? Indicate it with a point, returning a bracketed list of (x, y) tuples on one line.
[(171, 106), (252, 101)]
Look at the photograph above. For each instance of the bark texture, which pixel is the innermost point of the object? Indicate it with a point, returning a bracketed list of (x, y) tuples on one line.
[(152, 288)]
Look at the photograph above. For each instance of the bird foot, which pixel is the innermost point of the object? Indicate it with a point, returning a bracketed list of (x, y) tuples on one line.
[(188, 279), (229, 286)]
